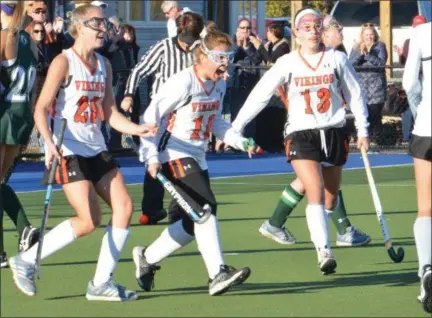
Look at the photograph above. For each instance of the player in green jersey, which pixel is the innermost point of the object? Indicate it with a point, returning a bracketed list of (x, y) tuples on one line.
[(17, 79)]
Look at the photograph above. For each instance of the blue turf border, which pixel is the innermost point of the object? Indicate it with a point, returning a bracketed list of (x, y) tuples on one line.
[(27, 176)]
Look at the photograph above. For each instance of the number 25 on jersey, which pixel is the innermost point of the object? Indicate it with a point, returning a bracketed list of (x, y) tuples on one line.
[(82, 113)]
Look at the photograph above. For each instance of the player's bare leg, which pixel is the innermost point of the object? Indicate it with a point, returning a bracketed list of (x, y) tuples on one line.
[(111, 188)]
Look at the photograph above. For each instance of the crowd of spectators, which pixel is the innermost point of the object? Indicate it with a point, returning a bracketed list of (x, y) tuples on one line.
[(252, 54)]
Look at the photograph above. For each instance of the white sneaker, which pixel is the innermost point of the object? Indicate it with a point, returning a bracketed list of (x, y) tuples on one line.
[(326, 261), (280, 235), (23, 275), (109, 291)]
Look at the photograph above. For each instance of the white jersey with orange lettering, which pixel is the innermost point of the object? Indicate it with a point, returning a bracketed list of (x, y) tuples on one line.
[(79, 100), (194, 106), (418, 86), (314, 84)]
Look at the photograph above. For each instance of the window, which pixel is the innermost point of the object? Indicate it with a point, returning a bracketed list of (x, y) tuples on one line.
[(355, 13), (144, 11)]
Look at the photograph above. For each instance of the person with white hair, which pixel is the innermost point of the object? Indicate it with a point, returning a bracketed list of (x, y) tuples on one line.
[(172, 11), (99, 4)]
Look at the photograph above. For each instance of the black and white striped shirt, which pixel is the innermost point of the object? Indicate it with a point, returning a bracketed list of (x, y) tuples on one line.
[(164, 59)]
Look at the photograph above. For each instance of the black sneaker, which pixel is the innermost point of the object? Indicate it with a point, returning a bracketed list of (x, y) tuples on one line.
[(227, 277), (3, 260), (144, 272), (29, 237)]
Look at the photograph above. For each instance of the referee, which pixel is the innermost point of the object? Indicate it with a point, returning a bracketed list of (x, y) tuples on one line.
[(166, 58)]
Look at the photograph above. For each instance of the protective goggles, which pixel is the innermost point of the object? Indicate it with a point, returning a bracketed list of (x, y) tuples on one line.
[(96, 24), (218, 57)]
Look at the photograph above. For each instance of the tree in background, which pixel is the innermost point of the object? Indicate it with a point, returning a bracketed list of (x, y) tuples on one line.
[(277, 8)]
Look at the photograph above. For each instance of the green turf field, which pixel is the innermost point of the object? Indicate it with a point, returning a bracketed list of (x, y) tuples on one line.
[(285, 281)]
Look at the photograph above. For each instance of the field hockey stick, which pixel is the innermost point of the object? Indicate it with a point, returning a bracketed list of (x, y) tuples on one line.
[(198, 214), (283, 97), (398, 256), (48, 197)]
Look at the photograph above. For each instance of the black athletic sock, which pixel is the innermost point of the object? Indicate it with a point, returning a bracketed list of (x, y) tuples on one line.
[(12, 206)]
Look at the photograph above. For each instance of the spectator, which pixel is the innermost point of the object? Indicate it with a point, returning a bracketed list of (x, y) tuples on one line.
[(46, 52), (37, 12), (245, 79), (211, 26), (27, 9), (113, 49), (407, 116), (276, 46), (131, 52), (99, 4), (369, 56), (403, 52), (332, 35), (173, 11)]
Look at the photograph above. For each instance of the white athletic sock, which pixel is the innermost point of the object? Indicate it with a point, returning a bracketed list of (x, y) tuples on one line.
[(113, 243), (317, 221), (423, 241), (208, 241), (59, 237), (171, 239)]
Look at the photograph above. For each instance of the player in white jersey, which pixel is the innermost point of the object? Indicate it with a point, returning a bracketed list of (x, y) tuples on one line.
[(316, 133), (81, 79), (417, 83), (193, 100), (275, 227)]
